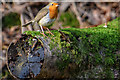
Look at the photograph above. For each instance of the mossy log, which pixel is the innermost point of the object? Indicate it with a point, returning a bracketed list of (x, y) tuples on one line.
[(81, 53), (92, 52)]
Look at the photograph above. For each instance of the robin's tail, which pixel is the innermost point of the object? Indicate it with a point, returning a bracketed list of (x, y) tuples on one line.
[(24, 25)]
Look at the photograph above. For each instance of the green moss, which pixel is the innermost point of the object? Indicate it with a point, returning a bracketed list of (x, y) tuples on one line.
[(88, 47), (62, 64), (11, 19), (69, 19)]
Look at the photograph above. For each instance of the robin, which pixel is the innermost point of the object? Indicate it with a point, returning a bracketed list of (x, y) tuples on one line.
[(45, 16)]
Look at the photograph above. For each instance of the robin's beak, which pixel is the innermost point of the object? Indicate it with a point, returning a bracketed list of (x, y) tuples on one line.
[(57, 5)]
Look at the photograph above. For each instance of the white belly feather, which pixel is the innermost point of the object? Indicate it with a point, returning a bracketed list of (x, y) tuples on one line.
[(45, 21)]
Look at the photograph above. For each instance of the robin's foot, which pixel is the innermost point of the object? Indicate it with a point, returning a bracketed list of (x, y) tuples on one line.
[(49, 32), (44, 34)]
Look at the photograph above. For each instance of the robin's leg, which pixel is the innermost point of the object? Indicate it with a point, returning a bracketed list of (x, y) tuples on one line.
[(42, 31), (48, 30)]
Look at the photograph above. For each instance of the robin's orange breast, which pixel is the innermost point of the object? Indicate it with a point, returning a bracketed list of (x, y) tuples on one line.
[(53, 14), (53, 11)]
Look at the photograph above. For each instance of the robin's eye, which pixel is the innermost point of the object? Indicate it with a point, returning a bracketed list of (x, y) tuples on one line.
[(52, 4)]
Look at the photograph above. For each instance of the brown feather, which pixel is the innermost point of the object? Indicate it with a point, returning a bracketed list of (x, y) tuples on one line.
[(41, 14)]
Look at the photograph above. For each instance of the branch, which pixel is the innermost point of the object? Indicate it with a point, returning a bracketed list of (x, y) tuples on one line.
[(76, 13)]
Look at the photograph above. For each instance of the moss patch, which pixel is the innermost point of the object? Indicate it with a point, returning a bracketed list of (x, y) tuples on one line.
[(11, 19), (69, 19), (92, 49)]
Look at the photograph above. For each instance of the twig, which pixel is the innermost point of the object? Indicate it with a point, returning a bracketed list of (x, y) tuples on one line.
[(14, 8), (27, 20), (30, 12), (76, 13), (22, 22), (2, 58)]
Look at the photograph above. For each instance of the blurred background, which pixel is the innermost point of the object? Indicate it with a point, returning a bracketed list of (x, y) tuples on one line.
[(71, 14)]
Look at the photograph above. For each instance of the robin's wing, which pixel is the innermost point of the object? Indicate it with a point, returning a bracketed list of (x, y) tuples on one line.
[(41, 14)]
